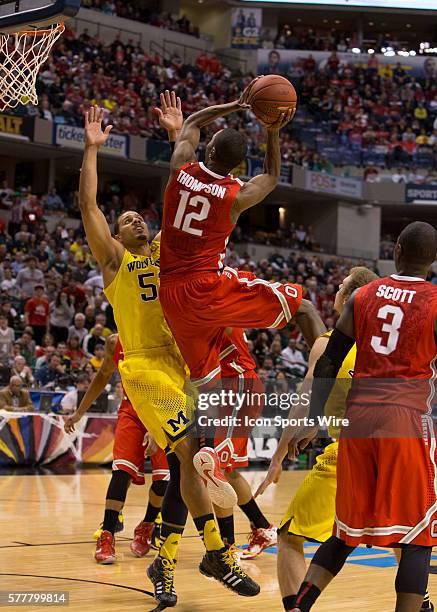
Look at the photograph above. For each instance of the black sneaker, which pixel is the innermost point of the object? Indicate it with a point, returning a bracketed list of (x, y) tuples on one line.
[(161, 573), (429, 607), (222, 565)]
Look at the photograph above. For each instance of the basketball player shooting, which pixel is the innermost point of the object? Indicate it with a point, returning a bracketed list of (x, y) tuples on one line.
[(387, 460), (199, 295), (152, 371)]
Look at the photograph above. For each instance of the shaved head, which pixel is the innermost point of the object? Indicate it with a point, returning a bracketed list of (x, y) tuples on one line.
[(417, 244)]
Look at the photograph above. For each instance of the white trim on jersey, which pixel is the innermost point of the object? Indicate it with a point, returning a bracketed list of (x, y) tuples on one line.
[(372, 531), (432, 386), (235, 178), (208, 171), (423, 524), (273, 287), (127, 463), (227, 351), (407, 278), (201, 381), (240, 371), (165, 473)]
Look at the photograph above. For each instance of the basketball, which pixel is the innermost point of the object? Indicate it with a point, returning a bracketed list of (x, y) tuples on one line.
[(272, 95)]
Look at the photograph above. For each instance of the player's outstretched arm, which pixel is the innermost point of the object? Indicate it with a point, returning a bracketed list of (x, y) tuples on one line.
[(188, 141), (288, 443), (97, 385), (258, 188), (107, 251), (309, 322)]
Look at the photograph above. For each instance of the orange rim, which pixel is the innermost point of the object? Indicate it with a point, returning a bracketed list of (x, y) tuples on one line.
[(60, 26)]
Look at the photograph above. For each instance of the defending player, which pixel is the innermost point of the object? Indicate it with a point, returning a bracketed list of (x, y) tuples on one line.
[(387, 455), (200, 298), (131, 442), (152, 371)]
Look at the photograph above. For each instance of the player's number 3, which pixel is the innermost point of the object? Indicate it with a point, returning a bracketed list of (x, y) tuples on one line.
[(391, 328), (183, 219)]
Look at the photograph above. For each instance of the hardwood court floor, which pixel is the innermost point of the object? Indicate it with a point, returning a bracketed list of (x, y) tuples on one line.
[(46, 544)]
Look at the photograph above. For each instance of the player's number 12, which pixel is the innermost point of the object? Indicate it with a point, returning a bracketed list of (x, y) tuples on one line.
[(183, 219)]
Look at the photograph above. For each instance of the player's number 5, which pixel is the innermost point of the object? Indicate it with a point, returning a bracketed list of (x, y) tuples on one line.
[(183, 221), (150, 289), (391, 328)]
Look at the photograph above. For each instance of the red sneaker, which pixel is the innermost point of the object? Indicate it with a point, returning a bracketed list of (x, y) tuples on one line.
[(105, 549), (259, 540), (142, 541), (220, 491)]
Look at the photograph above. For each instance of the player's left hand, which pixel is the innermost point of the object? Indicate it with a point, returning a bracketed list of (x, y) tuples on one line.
[(94, 135), (281, 122), (150, 446), (170, 114)]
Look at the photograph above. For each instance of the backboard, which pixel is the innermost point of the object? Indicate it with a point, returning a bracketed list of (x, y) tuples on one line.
[(19, 15)]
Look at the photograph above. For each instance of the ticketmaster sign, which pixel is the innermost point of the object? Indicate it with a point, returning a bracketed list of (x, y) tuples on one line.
[(73, 138), (337, 185)]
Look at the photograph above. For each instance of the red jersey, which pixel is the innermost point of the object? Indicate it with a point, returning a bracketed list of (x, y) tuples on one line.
[(197, 221), (118, 353), (394, 331)]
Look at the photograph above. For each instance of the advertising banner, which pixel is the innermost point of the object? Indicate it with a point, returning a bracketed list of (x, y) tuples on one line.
[(246, 28), (73, 137)]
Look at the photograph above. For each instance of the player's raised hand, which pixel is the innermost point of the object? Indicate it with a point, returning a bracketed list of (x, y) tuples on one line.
[(170, 114), (243, 102), (94, 135), (70, 423), (281, 122)]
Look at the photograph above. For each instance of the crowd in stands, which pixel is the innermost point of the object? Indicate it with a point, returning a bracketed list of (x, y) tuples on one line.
[(137, 11), (348, 115)]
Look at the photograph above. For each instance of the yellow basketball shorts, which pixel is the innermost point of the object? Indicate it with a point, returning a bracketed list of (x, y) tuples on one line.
[(311, 512), (155, 382)]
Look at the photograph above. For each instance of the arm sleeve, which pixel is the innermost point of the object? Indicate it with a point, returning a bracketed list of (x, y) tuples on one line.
[(326, 370)]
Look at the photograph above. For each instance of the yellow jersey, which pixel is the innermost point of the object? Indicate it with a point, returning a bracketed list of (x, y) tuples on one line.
[(134, 297), (336, 404)]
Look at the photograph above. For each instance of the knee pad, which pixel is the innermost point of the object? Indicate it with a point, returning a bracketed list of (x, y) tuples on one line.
[(332, 555), (118, 486), (413, 572)]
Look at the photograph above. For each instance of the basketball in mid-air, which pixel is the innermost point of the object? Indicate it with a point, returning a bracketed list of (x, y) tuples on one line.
[(272, 95)]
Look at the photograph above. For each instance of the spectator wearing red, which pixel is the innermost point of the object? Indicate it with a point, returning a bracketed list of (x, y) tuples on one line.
[(36, 313)]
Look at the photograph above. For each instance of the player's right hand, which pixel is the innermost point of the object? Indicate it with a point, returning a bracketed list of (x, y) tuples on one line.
[(243, 102), (94, 135), (70, 422), (273, 474)]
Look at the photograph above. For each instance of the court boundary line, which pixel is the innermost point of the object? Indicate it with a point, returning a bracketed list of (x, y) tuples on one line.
[(120, 586)]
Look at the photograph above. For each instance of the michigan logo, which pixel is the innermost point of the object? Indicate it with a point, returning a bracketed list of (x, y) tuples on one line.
[(179, 423)]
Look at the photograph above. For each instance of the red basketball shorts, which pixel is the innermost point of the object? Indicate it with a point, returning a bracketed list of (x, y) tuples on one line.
[(231, 438), (386, 490), (199, 309), (128, 453)]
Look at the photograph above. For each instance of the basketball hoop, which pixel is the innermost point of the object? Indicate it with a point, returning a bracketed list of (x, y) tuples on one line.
[(21, 56)]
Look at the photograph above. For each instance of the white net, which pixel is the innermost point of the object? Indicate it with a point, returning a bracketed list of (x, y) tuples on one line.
[(21, 57)]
